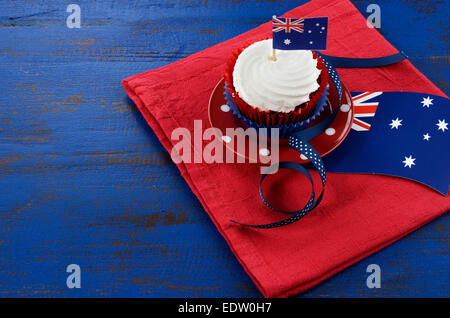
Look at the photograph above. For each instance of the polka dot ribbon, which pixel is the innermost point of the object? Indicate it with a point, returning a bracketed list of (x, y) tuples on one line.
[(309, 152)]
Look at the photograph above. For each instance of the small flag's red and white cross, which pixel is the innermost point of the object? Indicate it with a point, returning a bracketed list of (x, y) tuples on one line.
[(363, 108), (290, 24)]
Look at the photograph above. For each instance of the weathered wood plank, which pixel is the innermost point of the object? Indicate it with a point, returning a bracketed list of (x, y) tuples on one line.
[(84, 180)]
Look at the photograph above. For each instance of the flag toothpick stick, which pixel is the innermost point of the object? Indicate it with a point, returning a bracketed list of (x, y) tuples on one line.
[(273, 57)]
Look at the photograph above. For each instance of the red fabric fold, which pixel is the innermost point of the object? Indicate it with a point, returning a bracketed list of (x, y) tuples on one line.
[(359, 215)]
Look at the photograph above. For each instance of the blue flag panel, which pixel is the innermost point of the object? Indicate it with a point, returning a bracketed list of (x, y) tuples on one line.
[(398, 133)]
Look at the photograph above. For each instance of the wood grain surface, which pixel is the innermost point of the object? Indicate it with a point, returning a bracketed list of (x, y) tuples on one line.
[(84, 180)]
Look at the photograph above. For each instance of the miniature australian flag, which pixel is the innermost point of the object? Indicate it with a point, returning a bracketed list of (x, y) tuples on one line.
[(299, 34)]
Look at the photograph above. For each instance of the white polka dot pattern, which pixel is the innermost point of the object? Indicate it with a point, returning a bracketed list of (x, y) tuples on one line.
[(334, 77), (264, 152), (308, 151), (226, 139), (225, 108)]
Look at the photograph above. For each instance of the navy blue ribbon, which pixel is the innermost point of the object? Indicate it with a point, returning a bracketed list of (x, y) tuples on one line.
[(316, 130), (346, 62), (309, 152)]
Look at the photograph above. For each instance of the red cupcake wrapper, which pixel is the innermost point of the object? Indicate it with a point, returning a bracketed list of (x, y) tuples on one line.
[(302, 112)]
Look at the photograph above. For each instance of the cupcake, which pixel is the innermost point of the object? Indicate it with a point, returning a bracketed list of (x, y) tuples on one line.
[(275, 92)]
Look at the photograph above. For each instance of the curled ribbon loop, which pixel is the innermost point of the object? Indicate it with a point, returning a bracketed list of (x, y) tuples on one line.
[(346, 62), (309, 152)]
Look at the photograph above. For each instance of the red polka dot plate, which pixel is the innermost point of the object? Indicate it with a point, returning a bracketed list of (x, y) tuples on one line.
[(221, 117)]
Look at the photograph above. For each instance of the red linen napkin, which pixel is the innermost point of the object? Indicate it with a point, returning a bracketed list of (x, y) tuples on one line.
[(359, 215)]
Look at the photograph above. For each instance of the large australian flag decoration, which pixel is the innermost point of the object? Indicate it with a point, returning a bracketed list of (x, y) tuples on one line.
[(299, 34), (400, 134)]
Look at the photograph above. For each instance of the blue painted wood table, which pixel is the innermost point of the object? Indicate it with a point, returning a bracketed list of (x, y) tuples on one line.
[(83, 179)]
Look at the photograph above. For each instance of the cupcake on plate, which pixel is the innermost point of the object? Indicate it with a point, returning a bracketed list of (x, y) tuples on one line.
[(279, 91)]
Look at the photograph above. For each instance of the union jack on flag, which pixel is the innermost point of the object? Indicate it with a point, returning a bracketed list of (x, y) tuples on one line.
[(299, 33), (287, 24), (363, 108)]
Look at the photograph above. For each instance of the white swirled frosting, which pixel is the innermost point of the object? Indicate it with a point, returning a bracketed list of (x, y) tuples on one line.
[(279, 85)]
